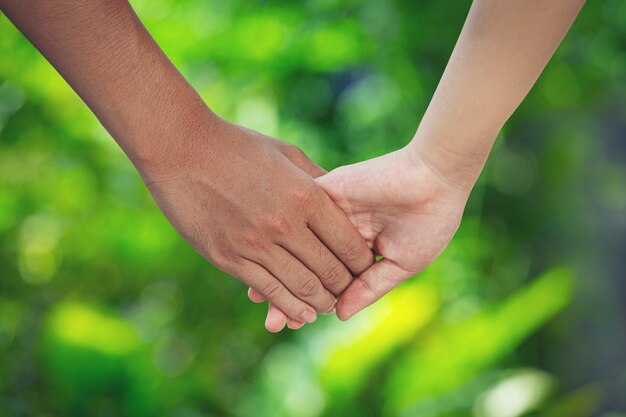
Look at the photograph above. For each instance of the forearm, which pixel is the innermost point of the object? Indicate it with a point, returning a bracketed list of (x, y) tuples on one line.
[(103, 51), (502, 49)]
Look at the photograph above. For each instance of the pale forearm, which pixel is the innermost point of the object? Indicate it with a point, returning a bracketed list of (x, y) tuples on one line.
[(504, 46), (103, 51)]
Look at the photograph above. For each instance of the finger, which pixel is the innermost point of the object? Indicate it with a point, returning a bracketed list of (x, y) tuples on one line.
[(294, 324), (274, 314), (298, 279), (377, 281), (270, 288), (276, 319), (332, 273), (254, 296), (334, 229)]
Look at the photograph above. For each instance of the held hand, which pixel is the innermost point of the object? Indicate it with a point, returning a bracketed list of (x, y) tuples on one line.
[(406, 210), (249, 204)]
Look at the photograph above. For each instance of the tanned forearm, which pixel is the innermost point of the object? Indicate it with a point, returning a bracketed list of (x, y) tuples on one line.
[(104, 52), (248, 203)]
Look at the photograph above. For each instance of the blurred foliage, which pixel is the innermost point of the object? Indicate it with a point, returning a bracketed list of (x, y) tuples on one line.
[(104, 310)]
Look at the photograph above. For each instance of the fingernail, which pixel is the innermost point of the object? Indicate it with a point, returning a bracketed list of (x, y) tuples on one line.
[(329, 312), (344, 317), (309, 316), (295, 325)]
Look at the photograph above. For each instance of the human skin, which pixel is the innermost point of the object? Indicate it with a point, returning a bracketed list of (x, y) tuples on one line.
[(246, 202), (408, 204)]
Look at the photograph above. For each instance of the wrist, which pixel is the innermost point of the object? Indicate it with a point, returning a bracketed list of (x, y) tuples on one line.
[(458, 167), (162, 148), (156, 117)]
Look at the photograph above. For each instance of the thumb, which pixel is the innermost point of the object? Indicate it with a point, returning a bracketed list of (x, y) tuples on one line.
[(310, 167), (370, 286), (335, 181), (303, 162)]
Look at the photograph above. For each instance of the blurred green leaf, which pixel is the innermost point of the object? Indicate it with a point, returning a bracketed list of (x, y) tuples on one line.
[(453, 353)]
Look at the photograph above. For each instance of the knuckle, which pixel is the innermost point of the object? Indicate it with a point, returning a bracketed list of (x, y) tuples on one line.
[(271, 289), (306, 197), (352, 250), (333, 274), (288, 267), (329, 305), (278, 224), (256, 243), (309, 287), (374, 293)]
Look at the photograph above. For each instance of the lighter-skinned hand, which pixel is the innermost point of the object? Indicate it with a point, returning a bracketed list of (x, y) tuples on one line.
[(406, 210)]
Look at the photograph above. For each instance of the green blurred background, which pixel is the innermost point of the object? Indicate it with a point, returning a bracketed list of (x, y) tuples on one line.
[(106, 311)]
